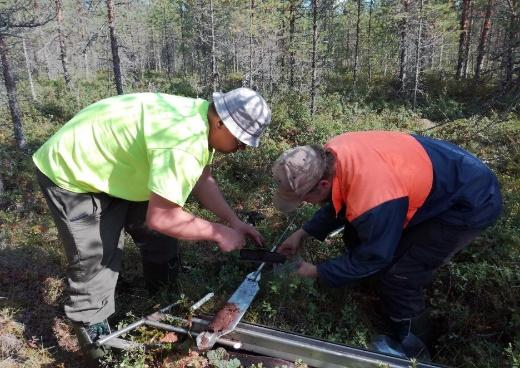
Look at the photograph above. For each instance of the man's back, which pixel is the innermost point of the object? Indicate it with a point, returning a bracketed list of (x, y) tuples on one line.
[(464, 192), (112, 146)]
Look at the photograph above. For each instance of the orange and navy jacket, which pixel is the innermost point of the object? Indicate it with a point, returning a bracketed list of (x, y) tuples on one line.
[(385, 182)]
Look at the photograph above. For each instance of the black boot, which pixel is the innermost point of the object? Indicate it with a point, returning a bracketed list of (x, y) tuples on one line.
[(161, 275), (409, 340), (413, 335), (87, 336)]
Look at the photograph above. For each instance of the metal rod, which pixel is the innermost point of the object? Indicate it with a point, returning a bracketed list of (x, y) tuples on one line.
[(336, 232), (197, 305), (120, 332), (153, 316)]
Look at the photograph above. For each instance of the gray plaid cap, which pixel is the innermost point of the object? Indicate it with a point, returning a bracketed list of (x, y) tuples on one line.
[(244, 112), (296, 172)]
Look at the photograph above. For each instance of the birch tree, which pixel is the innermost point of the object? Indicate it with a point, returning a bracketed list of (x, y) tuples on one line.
[(29, 71)]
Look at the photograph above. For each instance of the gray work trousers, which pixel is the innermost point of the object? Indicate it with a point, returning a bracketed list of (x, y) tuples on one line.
[(90, 226)]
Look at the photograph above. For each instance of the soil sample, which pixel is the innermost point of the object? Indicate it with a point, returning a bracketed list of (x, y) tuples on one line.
[(224, 317)]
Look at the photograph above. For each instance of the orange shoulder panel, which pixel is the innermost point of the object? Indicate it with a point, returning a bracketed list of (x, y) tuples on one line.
[(375, 167)]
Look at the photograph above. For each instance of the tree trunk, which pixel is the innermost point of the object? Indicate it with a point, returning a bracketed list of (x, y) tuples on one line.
[(347, 37), (465, 70), (510, 41), (313, 55), (292, 31), (61, 41), (384, 61), (486, 27), (167, 45), (46, 56), (115, 49), (183, 42), (235, 57), (29, 73), (356, 47), (2, 188), (84, 36), (251, 51), (156, 50), (172, 54), (403, 54), (441, 54), (151, 59), (270, 76), (200, 48), (214, 72), (418, 55), (10, 86), (85, 63), (347, 48), (371, 5), (328, 20), (282, 46), (464, 38)]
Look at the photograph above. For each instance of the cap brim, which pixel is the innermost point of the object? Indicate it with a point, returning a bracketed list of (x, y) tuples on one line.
[(286, 203), (239, 133)]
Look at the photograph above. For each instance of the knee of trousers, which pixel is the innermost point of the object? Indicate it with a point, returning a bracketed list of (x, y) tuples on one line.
[(401, 297)]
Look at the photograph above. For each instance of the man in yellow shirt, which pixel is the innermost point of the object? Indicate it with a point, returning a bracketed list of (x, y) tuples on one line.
[(130, 162)]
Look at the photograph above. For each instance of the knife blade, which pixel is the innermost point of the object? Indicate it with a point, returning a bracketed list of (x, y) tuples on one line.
[(259, 255)]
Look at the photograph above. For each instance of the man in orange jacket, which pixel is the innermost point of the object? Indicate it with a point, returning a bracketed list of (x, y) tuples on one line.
[(407, 203)]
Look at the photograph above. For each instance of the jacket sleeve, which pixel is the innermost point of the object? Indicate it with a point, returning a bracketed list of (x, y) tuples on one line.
[(323, 222), (379, 231)]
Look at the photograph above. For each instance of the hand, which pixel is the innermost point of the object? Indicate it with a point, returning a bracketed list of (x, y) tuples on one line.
[(248, 230), (307, 270), (293, 243), (229, 239)]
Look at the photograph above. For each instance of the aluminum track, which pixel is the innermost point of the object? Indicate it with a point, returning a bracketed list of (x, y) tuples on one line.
[(314, 352), (270, 342)]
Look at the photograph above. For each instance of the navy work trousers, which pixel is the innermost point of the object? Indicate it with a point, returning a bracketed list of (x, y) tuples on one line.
[(423, 249)]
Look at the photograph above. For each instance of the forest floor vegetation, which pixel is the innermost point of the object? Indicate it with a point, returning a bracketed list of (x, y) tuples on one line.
[(475, 299)]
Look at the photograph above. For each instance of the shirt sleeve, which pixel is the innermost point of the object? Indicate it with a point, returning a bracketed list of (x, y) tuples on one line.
[(379, 231), (323, 222), (173, 174)]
